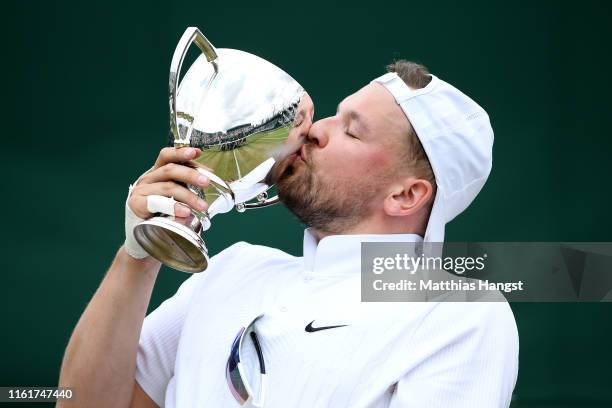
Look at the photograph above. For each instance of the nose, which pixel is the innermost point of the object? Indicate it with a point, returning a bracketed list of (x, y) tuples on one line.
[(319, 133)]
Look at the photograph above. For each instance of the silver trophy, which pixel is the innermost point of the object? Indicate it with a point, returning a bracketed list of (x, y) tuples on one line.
[(240, 110)]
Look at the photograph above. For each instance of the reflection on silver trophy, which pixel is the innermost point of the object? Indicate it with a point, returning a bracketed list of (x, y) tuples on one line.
[(240, 110)]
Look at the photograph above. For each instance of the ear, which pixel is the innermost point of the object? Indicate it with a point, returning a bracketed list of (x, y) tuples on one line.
[(407, 197)]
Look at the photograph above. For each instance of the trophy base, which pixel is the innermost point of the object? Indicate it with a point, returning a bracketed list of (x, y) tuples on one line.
[(173, 244)]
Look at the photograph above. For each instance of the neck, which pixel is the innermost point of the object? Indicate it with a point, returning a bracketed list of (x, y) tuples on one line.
[(383, 225)]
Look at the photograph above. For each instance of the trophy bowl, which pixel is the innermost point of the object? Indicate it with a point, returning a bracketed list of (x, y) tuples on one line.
[(240, 110)]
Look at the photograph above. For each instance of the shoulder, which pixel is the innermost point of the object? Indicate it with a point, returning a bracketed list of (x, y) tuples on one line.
[(494, 319), (238, 256), (468, 349), (243, 257), (243, 251), (242, 267), (484, 329), (482, 317), (480, 312)]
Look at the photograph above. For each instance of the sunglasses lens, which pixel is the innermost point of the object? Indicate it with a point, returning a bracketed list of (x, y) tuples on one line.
[(232, 374)]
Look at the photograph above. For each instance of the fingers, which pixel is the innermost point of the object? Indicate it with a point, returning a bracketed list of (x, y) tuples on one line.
[(162, 189), (166, 189), (181, 210), (196, 164), (176, 155), (176, 172)]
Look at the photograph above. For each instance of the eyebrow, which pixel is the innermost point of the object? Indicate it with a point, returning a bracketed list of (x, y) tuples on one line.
[(354, 116)]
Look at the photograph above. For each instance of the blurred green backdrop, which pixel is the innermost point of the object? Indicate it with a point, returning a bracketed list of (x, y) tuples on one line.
[(85, 112)]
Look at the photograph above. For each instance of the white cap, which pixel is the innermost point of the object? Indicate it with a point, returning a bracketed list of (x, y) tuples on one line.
[(458, 139)]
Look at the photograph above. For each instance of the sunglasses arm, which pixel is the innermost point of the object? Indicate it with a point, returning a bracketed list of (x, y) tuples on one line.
[(262, 392)]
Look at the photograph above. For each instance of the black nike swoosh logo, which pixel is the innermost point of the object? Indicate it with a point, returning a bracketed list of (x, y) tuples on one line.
[(311, 329)]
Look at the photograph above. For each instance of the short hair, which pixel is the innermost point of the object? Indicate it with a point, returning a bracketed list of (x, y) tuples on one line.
[(416, 76)]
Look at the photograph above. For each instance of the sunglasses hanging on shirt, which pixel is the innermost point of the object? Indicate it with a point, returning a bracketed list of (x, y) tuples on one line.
[(235, 371)]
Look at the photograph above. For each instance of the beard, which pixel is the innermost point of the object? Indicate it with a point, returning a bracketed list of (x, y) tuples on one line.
[(328, 207)]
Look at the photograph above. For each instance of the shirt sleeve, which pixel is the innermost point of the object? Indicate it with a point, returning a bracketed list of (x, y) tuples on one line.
[(161, 331), (462, 355), (159, 342)]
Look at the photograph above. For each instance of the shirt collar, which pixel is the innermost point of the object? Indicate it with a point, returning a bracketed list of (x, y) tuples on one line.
[(341, 254)]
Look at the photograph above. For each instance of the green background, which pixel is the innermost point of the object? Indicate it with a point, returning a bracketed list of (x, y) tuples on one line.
[(84, 107)]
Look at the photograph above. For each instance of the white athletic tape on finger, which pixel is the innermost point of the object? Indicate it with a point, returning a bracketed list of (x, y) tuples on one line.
[(160, 204)]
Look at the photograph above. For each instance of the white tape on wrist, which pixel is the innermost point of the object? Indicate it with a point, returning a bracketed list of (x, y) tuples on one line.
[(132, 247)]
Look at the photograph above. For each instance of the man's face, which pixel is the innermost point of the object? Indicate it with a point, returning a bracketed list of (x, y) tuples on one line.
[(341, 175)]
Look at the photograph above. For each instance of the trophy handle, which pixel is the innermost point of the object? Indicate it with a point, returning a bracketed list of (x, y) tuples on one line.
[(261, 202), (225, 201), (191, 35)]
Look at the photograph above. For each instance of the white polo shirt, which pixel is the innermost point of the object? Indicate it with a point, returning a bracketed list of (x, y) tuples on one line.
[(388, 354)]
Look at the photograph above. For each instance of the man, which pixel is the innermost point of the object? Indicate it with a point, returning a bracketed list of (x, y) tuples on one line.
[(402, 156)]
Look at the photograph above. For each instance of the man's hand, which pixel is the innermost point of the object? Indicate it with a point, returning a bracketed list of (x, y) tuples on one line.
[(172, 171)]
